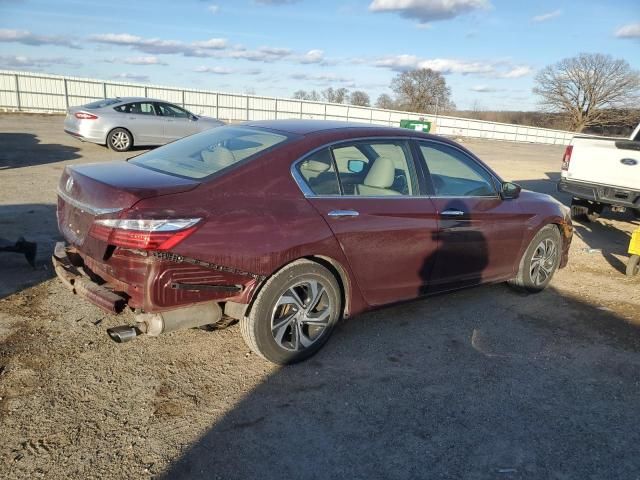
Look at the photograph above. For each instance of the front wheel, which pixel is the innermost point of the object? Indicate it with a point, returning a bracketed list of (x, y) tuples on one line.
[(633, 265), (120, 140), (293, 314), (540, 261)]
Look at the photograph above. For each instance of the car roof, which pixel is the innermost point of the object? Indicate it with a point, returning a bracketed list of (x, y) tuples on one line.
[(308, 127), (139, 99)]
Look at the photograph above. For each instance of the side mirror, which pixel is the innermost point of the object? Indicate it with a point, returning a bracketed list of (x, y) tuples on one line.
[(355, 166), (193, 118), (510, 190)]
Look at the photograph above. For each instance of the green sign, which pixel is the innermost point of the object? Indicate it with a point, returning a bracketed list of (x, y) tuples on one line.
[(417, 125)]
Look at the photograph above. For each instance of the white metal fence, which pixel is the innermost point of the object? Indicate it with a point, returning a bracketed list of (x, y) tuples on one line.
[(35, 92)]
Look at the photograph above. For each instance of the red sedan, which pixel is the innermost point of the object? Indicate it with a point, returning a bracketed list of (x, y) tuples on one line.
[(288, 226)]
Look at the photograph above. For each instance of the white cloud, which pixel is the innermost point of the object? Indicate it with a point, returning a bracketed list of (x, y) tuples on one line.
[(402, 63), (21, 61), (27, 38), (262, 54), (495, 68), (131, 76), (631, 30), (312, 56), (517, 71), (547, 16), (213, 9), (228, 71), (151, 60), (158, 46), (323, 79), (212, 43), (215, 70), (485, 89), (428, 10)]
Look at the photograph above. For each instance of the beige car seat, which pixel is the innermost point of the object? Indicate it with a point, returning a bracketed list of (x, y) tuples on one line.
[(218, 158), (379, 178)]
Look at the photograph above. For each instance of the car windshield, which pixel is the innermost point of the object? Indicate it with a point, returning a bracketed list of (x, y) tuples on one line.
[(102, 103), (206, 153)]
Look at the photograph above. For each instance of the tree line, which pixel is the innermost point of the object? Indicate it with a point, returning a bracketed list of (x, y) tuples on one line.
[(589, 92)]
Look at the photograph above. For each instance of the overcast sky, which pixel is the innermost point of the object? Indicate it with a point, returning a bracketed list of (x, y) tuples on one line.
[(489, 50)]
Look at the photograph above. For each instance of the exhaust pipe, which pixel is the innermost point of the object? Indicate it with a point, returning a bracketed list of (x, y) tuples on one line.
[(153, 324), (123, 333)]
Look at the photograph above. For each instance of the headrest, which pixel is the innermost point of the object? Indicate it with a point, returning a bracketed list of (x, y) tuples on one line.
[(219, 157), (316, 166), (382, 173)]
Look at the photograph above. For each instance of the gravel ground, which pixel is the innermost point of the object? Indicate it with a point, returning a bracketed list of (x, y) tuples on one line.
[(483, 383)]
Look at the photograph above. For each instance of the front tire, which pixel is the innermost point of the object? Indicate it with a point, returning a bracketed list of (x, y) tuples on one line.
[(293, 314), (120, 140), (540, 261)]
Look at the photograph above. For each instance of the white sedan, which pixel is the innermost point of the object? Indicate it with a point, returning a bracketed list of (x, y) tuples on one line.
[(121, 123)]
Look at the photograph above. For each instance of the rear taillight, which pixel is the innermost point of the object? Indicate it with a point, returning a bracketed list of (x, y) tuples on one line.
[(144, 234), (85, 116), (566, 159)]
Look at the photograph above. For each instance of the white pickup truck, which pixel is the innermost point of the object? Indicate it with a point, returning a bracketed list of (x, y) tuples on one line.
[(602, 171)]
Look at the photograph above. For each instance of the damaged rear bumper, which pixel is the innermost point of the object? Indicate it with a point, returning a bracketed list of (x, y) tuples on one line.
[(68, 266), (71, 269)]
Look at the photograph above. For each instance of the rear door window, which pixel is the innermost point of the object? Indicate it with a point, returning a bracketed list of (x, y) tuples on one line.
[(137, 108), (375, 168)]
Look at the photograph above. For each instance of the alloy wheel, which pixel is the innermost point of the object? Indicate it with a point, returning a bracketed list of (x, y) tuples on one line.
[(543, 261), (301, 315), (120, 140)]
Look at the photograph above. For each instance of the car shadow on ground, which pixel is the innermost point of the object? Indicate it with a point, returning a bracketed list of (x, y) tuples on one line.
[(479, 384), (25, 150), (36, 223)]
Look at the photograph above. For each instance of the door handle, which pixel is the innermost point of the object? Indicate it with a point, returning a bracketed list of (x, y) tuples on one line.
[(343, 213), (452, 212)]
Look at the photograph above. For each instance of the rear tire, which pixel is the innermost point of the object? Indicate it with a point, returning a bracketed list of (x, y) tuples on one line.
[(540, 261), (636, 213), (293, 314), (633, 265), (120, 140)]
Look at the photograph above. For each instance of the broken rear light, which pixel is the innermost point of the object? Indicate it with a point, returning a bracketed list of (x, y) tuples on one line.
[(566, 159), (144, 234), (85, 116)]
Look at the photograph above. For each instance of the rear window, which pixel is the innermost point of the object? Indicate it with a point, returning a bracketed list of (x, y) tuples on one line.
[(208, 152), (102, 103)]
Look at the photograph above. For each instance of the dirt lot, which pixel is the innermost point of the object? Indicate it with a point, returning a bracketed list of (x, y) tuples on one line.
[(485, 383)]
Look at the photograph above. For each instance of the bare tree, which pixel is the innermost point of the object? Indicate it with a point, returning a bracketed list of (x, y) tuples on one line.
[(386, 102), (591, 89), (338, 95), (359, 98), (304, 95), (422, 90)]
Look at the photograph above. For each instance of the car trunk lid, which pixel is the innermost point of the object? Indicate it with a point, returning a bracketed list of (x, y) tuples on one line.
[(86, 192)]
